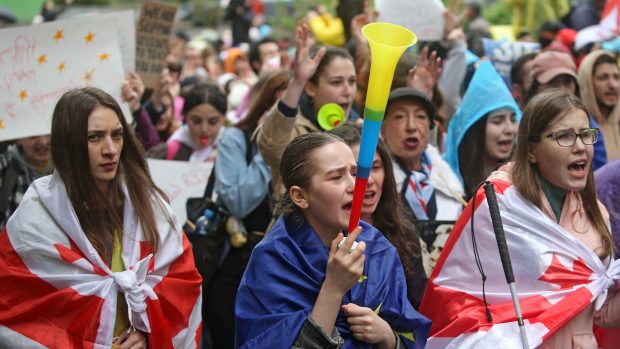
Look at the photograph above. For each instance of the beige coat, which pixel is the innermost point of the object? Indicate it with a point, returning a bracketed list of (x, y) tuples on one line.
[(610, 125), (577, 333), (274, 135)]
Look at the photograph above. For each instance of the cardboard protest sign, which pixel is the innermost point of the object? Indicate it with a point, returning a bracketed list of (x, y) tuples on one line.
[(503, 53), (39, 63), (423, 17), (180, 180), (152, 34)]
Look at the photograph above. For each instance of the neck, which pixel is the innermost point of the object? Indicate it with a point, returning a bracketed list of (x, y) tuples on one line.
[(414, 164), (605, 110), (367, 218), (555, 195)]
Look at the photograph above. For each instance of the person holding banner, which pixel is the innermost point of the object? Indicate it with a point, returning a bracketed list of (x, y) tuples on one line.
[(558, 238), (320, 76), (482, 132), (321, 290), (93, 256), (383, 209)]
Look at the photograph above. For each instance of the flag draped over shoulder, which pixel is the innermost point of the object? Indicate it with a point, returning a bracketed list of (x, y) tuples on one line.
[(57, 292), (556, 277), (283, 279)]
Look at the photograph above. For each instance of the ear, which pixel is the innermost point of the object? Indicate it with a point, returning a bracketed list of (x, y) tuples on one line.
[(299, 197), (310, 89), (532, 154)]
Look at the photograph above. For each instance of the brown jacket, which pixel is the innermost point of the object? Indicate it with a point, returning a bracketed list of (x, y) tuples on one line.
[(274, 135)]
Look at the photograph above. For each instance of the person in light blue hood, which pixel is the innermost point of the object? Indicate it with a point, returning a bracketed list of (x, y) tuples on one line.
[(482, 132)]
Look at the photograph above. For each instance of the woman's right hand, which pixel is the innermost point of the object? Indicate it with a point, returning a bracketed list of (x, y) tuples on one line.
[(344, 268), (304, 65)]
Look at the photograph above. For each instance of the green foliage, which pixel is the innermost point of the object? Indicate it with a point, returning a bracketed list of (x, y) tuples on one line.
[(207, 13), (498, 13)]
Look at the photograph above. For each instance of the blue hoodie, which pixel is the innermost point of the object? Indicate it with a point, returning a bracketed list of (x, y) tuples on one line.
[(487, 92)]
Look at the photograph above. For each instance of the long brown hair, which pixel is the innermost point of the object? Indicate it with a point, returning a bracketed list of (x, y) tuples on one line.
[(472, 156), (263, 97), (99, 213), (390, 216), (544, 109)]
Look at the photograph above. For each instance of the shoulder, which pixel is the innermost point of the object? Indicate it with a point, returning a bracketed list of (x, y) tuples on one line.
[(232, 137)]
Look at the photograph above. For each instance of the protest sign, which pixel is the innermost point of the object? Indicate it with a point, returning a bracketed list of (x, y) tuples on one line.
[(180, 180), (503, 53), (39, 63), (423, 17), (152, 35)]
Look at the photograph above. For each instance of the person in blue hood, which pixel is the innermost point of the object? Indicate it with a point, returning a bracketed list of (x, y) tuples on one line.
[(482, 132), (306, 286)]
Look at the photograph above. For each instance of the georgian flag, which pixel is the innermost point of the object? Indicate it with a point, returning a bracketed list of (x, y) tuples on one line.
[(57, 292), (556, 277)]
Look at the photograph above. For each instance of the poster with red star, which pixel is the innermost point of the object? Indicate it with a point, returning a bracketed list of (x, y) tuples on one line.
[(39, 63)]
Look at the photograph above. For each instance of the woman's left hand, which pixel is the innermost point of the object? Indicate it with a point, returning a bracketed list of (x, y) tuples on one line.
[(131, 340), (368, 327)]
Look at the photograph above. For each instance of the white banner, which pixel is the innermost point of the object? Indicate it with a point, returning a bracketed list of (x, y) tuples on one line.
[(180, 180), (423, 17), (39, 63)]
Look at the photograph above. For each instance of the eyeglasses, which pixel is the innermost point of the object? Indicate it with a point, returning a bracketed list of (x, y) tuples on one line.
[(567, 138)]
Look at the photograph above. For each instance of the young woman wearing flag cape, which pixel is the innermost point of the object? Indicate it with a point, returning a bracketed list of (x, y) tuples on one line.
[(300, 289), (94, 257), (558, 239)]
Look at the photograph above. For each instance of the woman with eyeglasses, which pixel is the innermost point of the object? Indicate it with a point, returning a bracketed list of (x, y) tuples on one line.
[(557, 232)]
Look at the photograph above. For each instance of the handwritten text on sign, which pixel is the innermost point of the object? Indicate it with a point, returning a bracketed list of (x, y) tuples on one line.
[(39, 63), (153, 30), (180, 180)]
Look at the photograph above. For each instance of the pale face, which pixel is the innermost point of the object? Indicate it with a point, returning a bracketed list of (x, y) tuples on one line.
[(327, 205), (269, 54), (405, 131), (105, 143), (564, 167), (374, 187), (500, 135), (204, 123), (606, 84), (336, 85), (36, 150)]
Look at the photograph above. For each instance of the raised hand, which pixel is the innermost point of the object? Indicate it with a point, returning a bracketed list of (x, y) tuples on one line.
[(425, 75), (304, 65), (344, 268)]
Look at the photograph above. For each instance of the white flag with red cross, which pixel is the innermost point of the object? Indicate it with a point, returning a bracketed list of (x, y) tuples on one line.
[(556, 277)]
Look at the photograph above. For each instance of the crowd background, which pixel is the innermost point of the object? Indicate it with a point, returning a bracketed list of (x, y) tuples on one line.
[(245, 77)]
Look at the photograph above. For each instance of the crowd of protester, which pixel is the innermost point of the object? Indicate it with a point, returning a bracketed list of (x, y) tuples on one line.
[(250, 107)]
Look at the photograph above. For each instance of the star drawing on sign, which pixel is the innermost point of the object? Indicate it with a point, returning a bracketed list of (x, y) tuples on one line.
[(104, 56), (1, 123), (23, 95), (61, 66), (88, 75), (59, 35), (89, 37), (42, 59)]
